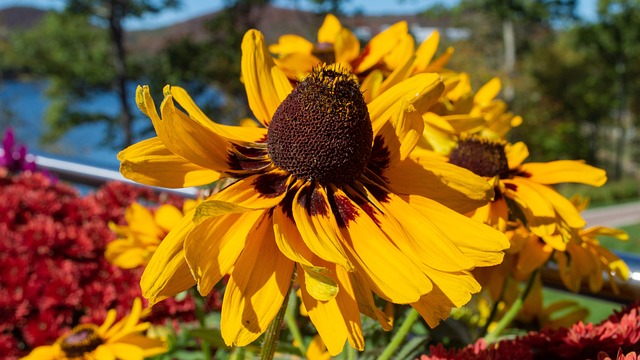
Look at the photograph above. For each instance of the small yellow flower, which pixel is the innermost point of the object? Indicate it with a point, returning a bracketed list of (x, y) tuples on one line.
[(123, 340), (139, 239)]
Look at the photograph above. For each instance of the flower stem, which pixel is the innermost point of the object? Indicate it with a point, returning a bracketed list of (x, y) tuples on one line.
[(292, 325), (399, 337), (272, 335), (513, 311), (200, 303), (494, 308)]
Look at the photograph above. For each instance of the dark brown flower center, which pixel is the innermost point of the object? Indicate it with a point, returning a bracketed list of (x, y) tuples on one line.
[(482, 156), (83, 339), (322, 130)]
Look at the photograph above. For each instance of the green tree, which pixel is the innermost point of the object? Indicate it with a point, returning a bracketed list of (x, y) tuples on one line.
[(81, 51)]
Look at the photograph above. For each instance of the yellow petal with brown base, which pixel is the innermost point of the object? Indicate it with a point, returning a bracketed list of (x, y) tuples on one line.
[(390, 272), (149, 162)]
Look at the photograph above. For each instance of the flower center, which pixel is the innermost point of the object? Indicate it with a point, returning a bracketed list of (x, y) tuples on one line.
[(322, 130), (482, 156), (82, 339)]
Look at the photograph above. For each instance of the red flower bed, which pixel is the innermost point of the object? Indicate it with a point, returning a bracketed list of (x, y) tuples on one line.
[(54, 274)]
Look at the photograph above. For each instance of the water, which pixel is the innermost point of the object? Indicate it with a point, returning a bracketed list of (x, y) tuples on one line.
[(23, 106)]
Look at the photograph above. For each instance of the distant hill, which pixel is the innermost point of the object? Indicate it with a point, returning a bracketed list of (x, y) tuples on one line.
[(20, 18), (272, 21)]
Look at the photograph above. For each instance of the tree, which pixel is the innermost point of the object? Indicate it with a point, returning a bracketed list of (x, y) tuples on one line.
[(81, 51)]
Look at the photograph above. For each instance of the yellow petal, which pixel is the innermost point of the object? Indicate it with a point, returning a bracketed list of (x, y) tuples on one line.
[(168, 216), (336, 319), (266, 85), (288, 238), (329, 30), (366, 302), (488, 92), (191, 139), (423, 88), (401, 134), (516, 154), (297, 66), (316, 222), (212, 247), (594, 231), (291, 43), (562, 206), (390, 272), (213, 208), (401, 72), (478, 242), (370, 86), (457, 287), (256, 289), (562, 171), (539, 213), (426, 50), (149, 162), (455, 187), (423, 241), (167, 273), (233, 133), (439, 63), (402, 54), (382, 44), (260, 191), (318, 283), (125, 254), (346, 47), (126, 351), (103, 352), (433, 307)]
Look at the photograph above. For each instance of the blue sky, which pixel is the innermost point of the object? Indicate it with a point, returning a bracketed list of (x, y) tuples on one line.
[(192, 8)]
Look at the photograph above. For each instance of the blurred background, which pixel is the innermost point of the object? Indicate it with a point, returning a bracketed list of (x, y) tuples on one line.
[(68, 69)]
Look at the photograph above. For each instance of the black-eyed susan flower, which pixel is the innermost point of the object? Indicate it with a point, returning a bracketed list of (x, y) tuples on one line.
[(138, 239), (329, 190), (124, 340)]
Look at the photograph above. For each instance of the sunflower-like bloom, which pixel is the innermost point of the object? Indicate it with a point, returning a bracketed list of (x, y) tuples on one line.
[(463, 111), (336, 44), (122, 340), (138, 240), (329, 190)]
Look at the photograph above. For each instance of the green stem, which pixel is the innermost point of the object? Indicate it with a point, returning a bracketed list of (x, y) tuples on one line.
[(237, 353), (494, 308), (399, 337), (292, 325), (200, 314), (351, 352), (513, 311), (272, 335)]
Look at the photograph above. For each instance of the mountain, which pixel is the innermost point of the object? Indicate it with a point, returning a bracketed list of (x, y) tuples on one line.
[(272, 21)]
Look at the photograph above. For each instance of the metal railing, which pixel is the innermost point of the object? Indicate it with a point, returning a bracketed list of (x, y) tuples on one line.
[(95, 176)]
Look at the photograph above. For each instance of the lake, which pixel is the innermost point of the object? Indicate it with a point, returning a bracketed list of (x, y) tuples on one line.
[(23, 106)]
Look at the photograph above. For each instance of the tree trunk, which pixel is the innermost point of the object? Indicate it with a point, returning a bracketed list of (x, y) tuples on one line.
[(509, 40), (116, 14)]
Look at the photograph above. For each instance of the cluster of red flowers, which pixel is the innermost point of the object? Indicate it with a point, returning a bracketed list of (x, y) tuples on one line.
[(612, 338), (54, 274)]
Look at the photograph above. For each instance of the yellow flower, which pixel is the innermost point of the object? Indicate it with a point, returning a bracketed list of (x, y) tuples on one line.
[(123, 340), (138, 240), (386, 51), (586, 259), (329, 189), (523, 189)]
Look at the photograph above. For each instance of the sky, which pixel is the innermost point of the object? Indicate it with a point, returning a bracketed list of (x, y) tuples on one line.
[(193, 8)]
